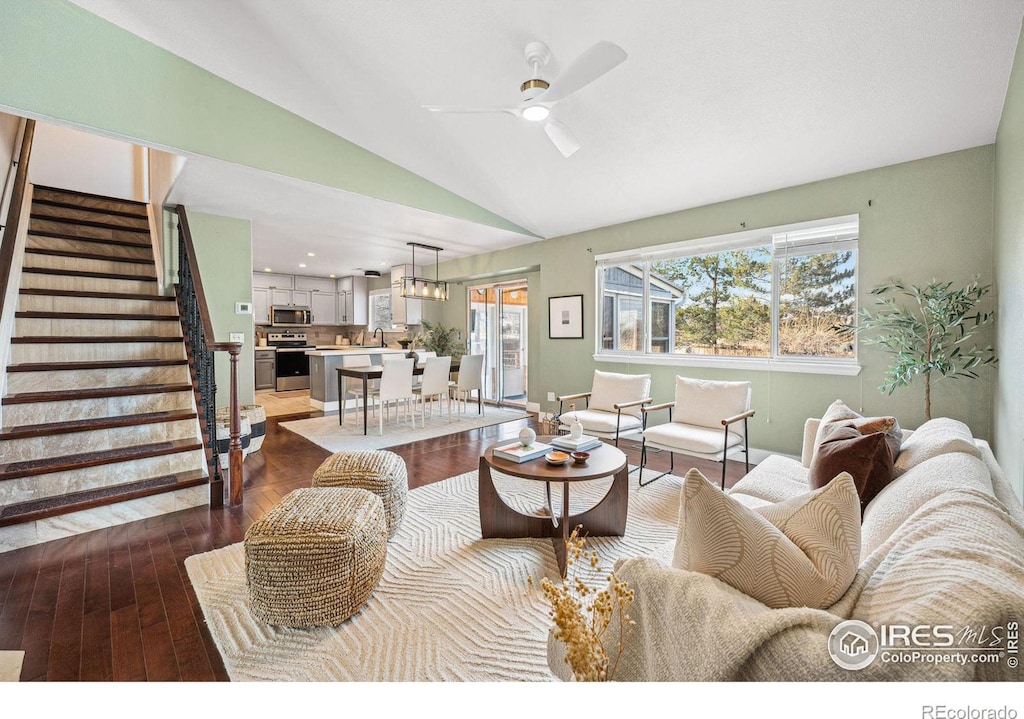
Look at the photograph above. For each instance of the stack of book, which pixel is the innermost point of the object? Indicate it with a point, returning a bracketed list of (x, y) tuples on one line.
[(582, 444), (516, 452)]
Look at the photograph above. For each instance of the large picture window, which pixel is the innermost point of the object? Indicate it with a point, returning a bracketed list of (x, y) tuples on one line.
[(772, 294)]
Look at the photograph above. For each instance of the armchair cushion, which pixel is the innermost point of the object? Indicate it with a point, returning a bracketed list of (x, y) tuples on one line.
[(706, 403), (690, 438), (594, 422), (611, 388), (803, 552)]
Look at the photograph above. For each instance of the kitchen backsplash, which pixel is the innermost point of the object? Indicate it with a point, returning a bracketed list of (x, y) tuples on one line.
[(327, 334)]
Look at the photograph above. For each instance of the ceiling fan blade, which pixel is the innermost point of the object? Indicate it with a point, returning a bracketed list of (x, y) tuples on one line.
[(562, 138), (461, 109), (592, 64)]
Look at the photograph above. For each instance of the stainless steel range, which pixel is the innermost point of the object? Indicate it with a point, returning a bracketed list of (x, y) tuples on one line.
[(292, 360)]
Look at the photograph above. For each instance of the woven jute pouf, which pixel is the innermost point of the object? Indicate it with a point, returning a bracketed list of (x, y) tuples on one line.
[(378, 471), (315, 558)]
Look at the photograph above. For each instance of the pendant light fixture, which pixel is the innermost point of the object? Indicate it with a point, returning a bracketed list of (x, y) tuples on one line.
[(421, 288)]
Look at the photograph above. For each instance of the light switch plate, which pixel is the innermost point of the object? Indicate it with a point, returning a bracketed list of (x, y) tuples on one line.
[(237, 337), (243, 308)]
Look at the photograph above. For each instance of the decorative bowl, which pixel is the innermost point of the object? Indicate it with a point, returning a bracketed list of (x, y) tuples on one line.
[(556, 457), (580, 457)]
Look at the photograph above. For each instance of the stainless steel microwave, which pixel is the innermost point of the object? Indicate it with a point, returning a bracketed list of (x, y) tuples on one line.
[(291, 316)]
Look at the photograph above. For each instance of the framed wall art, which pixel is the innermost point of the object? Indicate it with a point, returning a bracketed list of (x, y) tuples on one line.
[(565, 317)]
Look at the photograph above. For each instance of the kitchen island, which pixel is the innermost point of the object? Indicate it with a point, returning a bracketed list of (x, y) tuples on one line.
[(323, 371)]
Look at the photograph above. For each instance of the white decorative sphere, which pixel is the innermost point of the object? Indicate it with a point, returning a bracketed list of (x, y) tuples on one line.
[(527, 436)]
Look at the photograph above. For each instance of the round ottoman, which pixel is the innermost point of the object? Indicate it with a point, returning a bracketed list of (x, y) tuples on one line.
[(378, 471), (315, 558)]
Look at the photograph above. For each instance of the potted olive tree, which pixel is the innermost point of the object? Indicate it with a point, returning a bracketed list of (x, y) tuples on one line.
[(930, 329), (440, 339)]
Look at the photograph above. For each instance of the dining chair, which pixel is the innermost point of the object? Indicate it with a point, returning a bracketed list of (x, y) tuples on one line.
[(421, 361), (434, 384), (395, 386), (471, 377), (354, 387)]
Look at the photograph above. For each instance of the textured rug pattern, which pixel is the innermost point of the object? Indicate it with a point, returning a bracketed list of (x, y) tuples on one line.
[(326, 432), (450, 606)]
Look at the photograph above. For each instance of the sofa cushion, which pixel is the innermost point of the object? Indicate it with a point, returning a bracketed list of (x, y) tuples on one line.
[(941, 435), (895, 503), (865, 457), (611, 388), (799, 553), (839, 414), (706, 403)]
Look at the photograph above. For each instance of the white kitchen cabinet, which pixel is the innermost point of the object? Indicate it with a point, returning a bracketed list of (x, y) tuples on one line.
[(281, 297), (315, 284), (353, 301), (271, 281), (302, 298), (261, 305), (325, 307), (404, 311)]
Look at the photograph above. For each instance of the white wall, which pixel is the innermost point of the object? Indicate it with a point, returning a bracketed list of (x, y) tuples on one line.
[(75, 160)]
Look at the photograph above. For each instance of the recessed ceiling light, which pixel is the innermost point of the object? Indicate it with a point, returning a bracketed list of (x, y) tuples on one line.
[(302, 264), (332, 276), (383, 264), (267, 269), (310, 254)]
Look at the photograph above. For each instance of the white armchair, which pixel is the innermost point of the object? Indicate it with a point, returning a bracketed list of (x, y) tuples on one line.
[(707, 419), (612, 405)]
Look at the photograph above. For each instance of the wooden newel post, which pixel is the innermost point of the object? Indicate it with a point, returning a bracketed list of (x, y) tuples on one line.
[(235, 478)]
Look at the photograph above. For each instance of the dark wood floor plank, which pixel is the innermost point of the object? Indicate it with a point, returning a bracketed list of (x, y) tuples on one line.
[(65, 662), (189, 651), (128, 661)]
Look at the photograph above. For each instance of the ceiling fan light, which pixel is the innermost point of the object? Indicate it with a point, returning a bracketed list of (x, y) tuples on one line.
[(536, 113)]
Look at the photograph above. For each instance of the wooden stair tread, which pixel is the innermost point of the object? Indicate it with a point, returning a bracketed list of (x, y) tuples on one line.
[(88, 256), (83, 238), (34, 467), (94, 423), (94, 393), (42, 291), (88, 499), (50, 340), (46, 217), (88, 273), (93, 364), (140, 214), (79, 193), (46, 315)]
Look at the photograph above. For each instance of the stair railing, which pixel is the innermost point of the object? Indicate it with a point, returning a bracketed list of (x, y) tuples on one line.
[(19, 160), (199, 339)]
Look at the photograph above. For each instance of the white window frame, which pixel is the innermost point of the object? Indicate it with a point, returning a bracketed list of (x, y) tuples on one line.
[(375, 293), (837, 234)]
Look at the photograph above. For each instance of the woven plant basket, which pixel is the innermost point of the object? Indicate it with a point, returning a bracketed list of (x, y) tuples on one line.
[(257, 416)]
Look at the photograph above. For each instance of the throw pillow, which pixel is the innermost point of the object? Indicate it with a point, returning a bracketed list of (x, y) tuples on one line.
[(865, 457), (611, 388), (802, 552), (839, 413), (941, 435), (706, 403)]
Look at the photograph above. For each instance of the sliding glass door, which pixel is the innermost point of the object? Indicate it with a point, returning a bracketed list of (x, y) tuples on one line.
[(498, 330)]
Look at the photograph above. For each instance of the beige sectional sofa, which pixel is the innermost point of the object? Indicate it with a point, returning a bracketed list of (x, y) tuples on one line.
[(942, 547)]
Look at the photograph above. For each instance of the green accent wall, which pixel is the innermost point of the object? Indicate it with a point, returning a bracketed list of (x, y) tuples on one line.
[(60, 62), (224, 250), (1008, 408), (928, 218)]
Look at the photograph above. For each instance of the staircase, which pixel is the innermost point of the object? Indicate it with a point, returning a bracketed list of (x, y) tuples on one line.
[(99, 408)]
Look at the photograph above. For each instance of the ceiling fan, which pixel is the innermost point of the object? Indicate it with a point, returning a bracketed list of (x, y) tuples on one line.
[(540, 96)]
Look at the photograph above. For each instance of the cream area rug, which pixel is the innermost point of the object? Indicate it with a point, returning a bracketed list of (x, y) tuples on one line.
[(450, 606), (326, 432)]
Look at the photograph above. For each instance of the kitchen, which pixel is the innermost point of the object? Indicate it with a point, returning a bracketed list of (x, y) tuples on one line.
[(301, 321)]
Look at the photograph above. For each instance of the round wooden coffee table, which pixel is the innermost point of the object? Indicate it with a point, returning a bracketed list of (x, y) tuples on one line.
[(605, 519)]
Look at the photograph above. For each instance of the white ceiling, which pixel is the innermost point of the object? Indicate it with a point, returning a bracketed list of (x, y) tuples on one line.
[(717, 99)]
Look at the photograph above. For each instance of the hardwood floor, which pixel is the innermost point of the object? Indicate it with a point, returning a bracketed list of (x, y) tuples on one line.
[(116, 604)]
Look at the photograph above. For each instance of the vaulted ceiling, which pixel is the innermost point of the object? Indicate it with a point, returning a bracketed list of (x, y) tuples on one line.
[(716, 100)]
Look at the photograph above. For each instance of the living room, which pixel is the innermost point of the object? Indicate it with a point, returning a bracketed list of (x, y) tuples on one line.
[(952, 215)]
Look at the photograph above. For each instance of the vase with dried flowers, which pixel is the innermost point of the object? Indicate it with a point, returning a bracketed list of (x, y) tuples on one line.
[(583, 614)]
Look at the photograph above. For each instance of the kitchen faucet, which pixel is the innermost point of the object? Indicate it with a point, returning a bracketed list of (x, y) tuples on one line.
[(381, 335)]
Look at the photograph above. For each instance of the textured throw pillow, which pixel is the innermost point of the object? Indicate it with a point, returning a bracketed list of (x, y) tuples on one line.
[(802, 552), (706, 403), (941, 435), (839, 414), (611, 388), (865, 457)]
